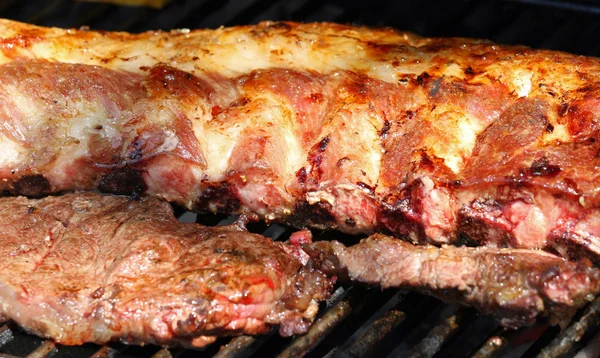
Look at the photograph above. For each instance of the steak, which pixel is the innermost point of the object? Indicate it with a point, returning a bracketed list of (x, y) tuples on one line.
[(439, 141), (90, 268), (515, 285)]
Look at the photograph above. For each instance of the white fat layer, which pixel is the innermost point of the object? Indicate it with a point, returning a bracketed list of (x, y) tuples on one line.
[(224, 138), (522, 82), (467, 134), (229, 54), (171, 140), (26, 109), (372, 149), (218, 154), (12, 153), (87, 121), (559, 133), (315, 197), (295, 152), (454, 70), (459, 137), (362, 127)]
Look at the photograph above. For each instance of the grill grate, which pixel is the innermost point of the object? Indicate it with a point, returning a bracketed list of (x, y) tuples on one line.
[(356, 321)]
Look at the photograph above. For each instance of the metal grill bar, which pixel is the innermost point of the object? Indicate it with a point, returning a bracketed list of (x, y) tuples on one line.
[(237, 347), (441, 334), (490, 348), (135, 21), (425, 314), (7, 4), (51, 8), (582, 7), (104, 352), (376, 332), (163, 353), (592, 349), (47, 349), (307, 10), (6, 335), (249, 14), (9, 356), (563, 343), (321, 328), (92, 16), (244, 346), (520, 342)]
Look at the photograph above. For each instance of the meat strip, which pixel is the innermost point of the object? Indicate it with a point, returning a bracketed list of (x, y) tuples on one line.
[(515, 285), (90, 268), (440, 141)]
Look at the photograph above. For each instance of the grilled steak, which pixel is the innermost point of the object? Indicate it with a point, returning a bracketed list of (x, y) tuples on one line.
[(435, 140), (515, 285), (91, 268)]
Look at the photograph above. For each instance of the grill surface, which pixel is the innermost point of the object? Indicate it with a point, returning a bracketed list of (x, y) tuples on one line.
[(356, 321)]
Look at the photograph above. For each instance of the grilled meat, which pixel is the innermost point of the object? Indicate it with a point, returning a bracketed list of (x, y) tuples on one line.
[(435, 140), (91, 268), (515, 285)]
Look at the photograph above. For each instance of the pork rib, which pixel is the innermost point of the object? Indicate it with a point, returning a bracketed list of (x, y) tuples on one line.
[(515, 285), (91, 268), (435, 140)]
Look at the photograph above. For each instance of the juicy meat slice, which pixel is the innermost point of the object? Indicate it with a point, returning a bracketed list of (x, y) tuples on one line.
[(335, 127), (515, 285), (85, 267)]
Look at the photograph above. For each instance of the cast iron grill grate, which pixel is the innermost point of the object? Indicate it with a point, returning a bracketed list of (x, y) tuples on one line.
[(356, 321)]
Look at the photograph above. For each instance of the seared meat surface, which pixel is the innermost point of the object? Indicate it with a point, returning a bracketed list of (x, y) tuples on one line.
[(435, 140), (515, 285), (92, 268)]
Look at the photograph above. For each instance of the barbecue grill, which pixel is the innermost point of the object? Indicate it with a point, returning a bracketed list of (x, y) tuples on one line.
[(355, 321)]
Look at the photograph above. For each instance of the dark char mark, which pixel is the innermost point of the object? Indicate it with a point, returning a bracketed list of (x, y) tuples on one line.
[(317, 215), (572, 246), (31, 186), (219, 194), (323, 143), (124, 181), (316, 155), (401, 212), (385, 129), (422, 78), (301, 175), (541, 167)]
